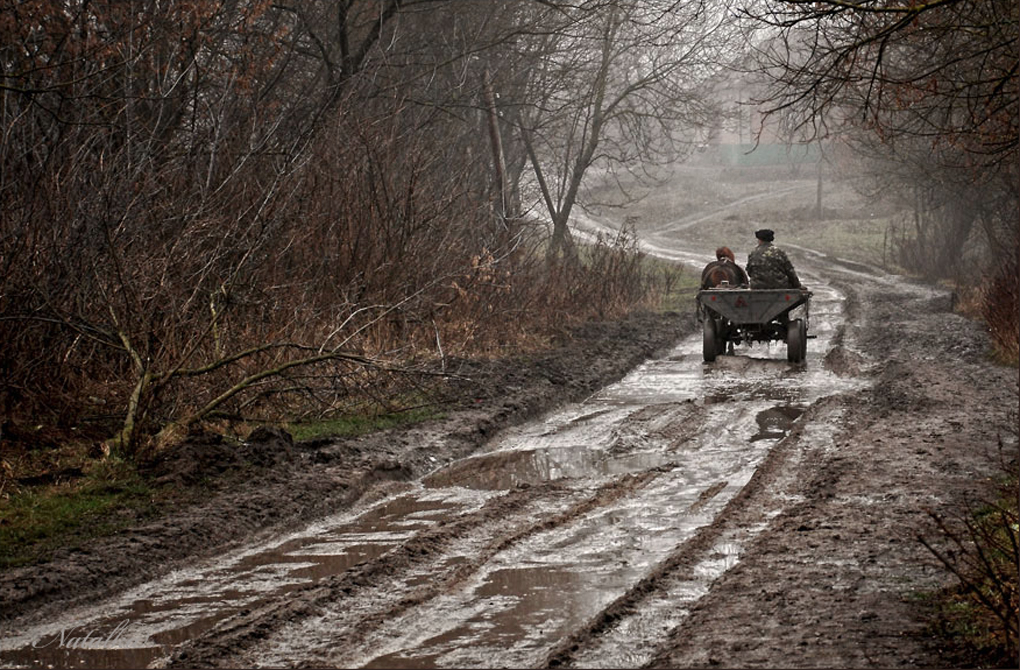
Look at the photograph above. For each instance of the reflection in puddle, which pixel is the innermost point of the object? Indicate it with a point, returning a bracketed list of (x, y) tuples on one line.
[(507, 469), (774, 423), (517, 602)]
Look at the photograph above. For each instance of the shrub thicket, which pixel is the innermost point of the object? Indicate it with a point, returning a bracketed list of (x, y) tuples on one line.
[(1000, 307)]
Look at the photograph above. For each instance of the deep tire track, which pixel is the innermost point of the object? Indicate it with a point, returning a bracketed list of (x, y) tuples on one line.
[(756, 502), (240, 634)]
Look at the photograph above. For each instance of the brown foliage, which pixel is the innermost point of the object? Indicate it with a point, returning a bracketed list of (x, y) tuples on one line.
[(1000, 307)]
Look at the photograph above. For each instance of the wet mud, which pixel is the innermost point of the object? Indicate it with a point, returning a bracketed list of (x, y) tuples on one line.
[(750, 512)]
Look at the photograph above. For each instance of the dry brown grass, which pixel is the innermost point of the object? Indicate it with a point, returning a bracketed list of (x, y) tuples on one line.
[(1000, 307)]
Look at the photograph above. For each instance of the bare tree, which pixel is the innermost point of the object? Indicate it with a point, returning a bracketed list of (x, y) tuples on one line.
[(613, 85), (943, 70), (152, 158)]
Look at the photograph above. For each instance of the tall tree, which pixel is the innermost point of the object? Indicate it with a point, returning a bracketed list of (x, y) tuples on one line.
[(613, 85)]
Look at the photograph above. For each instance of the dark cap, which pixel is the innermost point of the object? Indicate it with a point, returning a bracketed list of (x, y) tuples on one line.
[(765, 234)]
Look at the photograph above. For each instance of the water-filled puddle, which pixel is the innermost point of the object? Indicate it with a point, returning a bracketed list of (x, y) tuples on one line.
[(506, 469), (775, 422), (145, 623), (518, 601)]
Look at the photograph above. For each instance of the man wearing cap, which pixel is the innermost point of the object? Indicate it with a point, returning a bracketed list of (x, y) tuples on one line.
[(768, 265)]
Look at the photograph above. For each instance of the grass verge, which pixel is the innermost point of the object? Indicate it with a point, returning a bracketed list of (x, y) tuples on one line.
[(37, 520), (354, 425)]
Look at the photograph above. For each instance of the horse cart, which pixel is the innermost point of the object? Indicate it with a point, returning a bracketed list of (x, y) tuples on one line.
[(734, 315)]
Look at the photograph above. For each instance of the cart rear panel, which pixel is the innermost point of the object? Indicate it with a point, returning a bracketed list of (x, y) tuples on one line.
[(745, 306)]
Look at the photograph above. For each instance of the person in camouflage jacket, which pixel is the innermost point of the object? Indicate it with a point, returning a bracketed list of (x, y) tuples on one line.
[(768, 265)]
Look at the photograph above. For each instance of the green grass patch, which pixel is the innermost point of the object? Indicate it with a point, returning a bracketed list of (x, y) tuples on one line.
[(35, 521), (354, 425)]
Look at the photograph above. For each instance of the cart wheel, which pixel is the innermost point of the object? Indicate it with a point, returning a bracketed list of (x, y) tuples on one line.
[(796, 341), (711, 340)]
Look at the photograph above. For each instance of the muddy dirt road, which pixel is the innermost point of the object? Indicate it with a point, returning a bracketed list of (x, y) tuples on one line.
[(745, 513)]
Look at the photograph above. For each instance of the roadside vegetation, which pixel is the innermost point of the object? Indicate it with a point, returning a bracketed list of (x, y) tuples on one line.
[(59, 508), (980, 618), (225, 215)]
